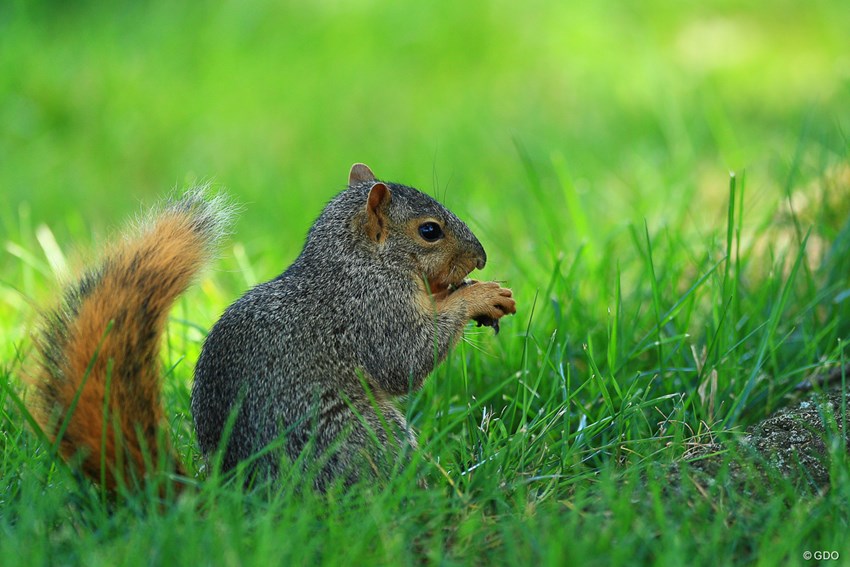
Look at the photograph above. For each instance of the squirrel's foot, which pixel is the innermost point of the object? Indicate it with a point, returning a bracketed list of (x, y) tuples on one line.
[(486, 302)]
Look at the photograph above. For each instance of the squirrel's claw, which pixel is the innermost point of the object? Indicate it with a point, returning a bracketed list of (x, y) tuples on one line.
[(486, 321), (497, 302)]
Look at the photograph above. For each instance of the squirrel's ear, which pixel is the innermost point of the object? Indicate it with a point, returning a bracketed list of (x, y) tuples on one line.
[(376, 212), (360, 173)]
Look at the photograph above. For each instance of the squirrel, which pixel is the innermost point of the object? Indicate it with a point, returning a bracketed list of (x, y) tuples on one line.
[(305, 366)]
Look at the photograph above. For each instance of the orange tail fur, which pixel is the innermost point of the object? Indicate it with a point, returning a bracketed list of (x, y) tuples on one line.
[(105, 338)]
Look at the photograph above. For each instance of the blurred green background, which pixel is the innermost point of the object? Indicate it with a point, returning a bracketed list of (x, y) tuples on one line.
[(588, 145), (515, 115)]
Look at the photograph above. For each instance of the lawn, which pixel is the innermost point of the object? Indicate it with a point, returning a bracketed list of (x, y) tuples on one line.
[(664, 185)]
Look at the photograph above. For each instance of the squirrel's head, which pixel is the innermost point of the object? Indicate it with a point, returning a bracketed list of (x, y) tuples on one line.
[(411, 229)]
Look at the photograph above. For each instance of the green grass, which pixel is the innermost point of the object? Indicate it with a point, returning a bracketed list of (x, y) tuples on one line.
[(661, 302)]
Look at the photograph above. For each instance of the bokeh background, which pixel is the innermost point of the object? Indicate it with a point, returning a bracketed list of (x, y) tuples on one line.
[(544, 124), (588, 144)]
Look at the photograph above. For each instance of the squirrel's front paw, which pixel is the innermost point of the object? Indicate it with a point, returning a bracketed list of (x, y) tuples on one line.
[(487, 302)]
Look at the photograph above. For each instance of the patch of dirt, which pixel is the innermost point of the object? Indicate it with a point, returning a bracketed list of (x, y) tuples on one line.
[(792, 443)]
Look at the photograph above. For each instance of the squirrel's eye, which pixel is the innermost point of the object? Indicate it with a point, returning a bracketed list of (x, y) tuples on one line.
[(430, 231)]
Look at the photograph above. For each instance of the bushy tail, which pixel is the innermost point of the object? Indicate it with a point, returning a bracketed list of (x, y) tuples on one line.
[(103, 342)]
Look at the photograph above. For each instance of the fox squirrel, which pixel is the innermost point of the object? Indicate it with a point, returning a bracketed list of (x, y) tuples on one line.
[(312, 358)]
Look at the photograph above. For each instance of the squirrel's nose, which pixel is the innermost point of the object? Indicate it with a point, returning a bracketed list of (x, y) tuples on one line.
[(477, 251), (480, 257)]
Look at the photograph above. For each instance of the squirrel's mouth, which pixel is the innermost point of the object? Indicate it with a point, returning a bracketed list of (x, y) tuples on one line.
[(450, 288), (442, 288), (447, 287), (450, 280), (456, 286)]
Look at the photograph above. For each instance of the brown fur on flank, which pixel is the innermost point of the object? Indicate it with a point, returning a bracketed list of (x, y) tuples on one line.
[(106, 335)]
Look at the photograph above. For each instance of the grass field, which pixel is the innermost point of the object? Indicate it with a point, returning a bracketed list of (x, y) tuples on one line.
[(664, 185)]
